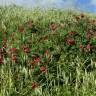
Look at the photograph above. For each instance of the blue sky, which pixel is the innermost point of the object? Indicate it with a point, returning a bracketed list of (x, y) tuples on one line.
[(84, 5)]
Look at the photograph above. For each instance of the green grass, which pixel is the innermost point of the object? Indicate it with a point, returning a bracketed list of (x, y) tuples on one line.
[(69, 69)]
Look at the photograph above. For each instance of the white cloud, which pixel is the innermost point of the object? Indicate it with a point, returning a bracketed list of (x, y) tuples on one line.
[(56, 3), (93, 2), (41, 3)]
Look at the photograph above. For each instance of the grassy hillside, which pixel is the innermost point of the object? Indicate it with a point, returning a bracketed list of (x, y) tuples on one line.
[(47, 53)]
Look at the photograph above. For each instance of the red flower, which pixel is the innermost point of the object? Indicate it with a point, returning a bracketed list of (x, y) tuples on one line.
[(53, 26), (46, 52), (92, 21), (13, 50), (1, 50), (71, 33), (89, 47), (77, 18), (34, 85), (37, 59), (34, 56), (30, 24), (42, 69), (13, 58), (1, 59), (4, 40), (82, 15), (4, 46), (70, 41), (88, 35), (26, 50), (21, 29), (31, 62), (81, 46)]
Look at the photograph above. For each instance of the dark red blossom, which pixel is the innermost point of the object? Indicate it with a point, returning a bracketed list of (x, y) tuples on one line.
[(26, 49), (13, 50), (21, 29), (30, 24), (32, 62), (89, 46), (77, 18), (1, 59), (47, 52), (4, 40), (37, 59), (34, 56), (42, 69), (71, 33), (53, 26), (81, 46), (70, 41), (14, 58), (1, 50), (4, 46), (35, 85), (92, 21), (82, 15)]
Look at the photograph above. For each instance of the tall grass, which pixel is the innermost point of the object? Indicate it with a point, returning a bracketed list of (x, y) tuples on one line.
[(72, 73)]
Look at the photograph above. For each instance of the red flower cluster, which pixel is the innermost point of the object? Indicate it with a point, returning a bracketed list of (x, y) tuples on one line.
[(77, 18), (42, 69), (26, 49), (89, 47), (21, 29), (1, 59), (82, 15), (47, 52), (70, 41), (81, 46), (72, 33), (13, 58), (37, 59), (35, 85), (12, 50)]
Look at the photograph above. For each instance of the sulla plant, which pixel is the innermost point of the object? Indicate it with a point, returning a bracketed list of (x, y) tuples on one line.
[(21, 29), (12, 50), (42, 69), (70, 42), (53, 26), (89, 46), (13, 58), (35, 85), (81, 46), (26, 49), (1, 59)]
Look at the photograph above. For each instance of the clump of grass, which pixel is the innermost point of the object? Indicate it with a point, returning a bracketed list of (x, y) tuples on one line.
[(47, 53)]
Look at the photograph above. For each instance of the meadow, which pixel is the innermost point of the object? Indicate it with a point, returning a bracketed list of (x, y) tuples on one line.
[(47, 52)]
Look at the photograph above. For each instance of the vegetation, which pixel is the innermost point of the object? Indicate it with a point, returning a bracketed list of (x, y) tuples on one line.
[(47, 52)]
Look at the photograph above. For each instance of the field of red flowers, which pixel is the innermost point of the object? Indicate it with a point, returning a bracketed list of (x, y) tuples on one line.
[(51, 53)]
